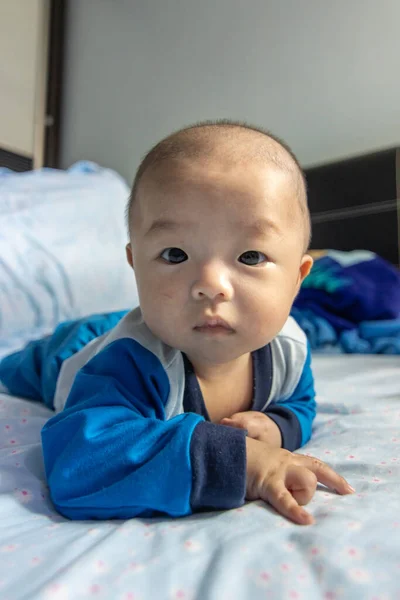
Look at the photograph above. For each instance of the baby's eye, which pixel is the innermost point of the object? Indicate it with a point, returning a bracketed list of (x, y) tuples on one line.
[(175, 255), (253, 257)]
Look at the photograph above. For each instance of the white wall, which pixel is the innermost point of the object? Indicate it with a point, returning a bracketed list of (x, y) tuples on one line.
[(322, 74)]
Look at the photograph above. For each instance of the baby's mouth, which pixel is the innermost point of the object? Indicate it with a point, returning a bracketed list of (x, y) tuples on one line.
[(214, 325)]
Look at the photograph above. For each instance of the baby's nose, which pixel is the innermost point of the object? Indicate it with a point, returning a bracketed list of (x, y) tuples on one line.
[(212, 281)]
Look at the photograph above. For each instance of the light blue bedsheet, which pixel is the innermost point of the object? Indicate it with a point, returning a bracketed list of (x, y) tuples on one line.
[(352, 552)]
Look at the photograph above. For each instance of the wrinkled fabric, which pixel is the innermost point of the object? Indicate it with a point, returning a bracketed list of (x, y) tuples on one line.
[(350, 303), (351, 552), (62, 249)]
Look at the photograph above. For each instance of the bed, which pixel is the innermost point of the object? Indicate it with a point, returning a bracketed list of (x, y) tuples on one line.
[(353, 550)]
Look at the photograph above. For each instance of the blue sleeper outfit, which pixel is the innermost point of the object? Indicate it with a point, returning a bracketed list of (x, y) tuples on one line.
[(132, 436)]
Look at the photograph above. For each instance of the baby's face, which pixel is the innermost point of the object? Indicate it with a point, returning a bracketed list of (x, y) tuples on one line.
[(215, 242)]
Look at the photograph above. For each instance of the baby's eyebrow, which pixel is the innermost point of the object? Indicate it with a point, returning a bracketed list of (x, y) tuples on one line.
[(261, 227), (160, 225)]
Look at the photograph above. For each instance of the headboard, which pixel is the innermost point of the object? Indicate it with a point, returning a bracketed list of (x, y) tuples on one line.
[(355, 204)]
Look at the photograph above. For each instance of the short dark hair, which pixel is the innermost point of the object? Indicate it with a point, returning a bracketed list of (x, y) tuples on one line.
[(178, 145)]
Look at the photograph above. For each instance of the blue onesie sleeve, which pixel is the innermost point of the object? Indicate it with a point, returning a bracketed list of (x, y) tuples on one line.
[(111, 453), (295, 415)]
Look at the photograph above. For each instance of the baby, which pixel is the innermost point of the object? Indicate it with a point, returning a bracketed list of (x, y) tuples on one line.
[(196, 399)]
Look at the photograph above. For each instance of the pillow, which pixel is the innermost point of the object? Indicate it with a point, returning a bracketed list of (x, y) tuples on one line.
[(62, 247), (22, 190)]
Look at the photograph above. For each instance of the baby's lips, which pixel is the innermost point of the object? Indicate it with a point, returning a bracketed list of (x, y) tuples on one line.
[(214, 321)]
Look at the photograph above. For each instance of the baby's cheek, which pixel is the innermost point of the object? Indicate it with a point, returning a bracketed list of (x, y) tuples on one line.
[(162, 316), (155, 295)]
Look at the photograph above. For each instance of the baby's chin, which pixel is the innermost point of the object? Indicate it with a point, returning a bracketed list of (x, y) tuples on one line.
[(215, 352), (211, 347)]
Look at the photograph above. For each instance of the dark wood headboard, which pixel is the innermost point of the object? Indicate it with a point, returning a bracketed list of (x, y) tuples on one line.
[(355, 204)]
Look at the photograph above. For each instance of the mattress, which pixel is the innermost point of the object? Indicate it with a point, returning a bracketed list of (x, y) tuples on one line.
[(352, 551)]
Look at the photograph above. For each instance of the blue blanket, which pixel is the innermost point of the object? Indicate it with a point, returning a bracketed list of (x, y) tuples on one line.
[(351, 302)]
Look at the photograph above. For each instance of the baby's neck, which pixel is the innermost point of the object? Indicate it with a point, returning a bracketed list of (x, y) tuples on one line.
[(213, 374), (227, 390)]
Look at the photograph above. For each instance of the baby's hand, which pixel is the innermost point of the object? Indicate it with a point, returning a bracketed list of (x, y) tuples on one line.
[(286, 480), (259, 426)]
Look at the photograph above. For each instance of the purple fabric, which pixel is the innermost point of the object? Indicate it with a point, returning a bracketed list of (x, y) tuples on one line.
[(345, 296)]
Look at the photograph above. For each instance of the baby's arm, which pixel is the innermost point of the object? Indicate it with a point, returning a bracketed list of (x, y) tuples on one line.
[(113, 454), (287, 423), (295, 415)]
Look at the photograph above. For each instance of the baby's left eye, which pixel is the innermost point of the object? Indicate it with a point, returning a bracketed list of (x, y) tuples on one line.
[(253, 257)]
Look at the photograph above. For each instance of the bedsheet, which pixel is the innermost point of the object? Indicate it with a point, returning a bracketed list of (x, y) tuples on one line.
[(353, 550)]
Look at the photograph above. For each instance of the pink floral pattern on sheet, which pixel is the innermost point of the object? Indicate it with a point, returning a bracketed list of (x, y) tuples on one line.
[(248, 552)]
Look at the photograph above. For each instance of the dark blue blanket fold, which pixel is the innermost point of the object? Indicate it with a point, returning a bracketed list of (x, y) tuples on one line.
[(351, 300)]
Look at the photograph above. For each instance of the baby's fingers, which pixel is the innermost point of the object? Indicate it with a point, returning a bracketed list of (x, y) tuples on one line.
[(239, 420), (244, 421), (326, 475), (301, 483), (279, 497)]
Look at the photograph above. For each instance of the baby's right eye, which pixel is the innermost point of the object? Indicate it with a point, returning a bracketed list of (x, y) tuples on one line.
[(174, 256)]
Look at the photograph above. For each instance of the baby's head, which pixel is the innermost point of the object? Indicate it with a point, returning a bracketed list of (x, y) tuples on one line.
[(219, 227)]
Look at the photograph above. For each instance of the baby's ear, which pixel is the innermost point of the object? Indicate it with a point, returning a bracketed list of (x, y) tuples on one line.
[(129, 257), (305, 267)]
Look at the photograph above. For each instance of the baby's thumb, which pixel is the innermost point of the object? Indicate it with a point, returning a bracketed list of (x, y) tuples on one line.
[(229, 421), (236, 422)]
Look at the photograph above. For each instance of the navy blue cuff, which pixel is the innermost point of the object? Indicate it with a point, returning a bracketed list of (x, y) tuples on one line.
[(288, 424), (218, 459)]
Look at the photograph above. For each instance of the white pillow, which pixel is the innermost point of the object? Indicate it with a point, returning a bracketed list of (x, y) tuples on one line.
[(62, 247)]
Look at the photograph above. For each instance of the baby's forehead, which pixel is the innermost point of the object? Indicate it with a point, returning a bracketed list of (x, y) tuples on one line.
[(190, 187), (213, 170)]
